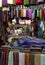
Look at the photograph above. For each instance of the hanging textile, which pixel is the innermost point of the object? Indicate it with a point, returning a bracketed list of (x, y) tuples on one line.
[(5, 58), (1, 57), (37, 12), (44, 13), (15, 58), (23, 13), (4, 3), (27, 59), (42, 59), (29, 13), (26, 2), (33, 14), (37, 59), (0, 3), (19, 2), (4, 16), (21, 58), (12, 10), (41, 16), (10, 58), (10, 1)]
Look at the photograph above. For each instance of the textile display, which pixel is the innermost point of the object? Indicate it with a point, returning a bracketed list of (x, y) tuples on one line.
[(21, 58)]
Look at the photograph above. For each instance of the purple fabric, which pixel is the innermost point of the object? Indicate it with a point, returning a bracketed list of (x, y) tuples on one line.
[(4, 2), (29, 13)]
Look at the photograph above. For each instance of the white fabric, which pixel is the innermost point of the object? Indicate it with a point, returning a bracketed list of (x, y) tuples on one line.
[(42, 25), (24, 13), (10, 1), (0, 3), (42, 59), (21, 58), (10, 60)]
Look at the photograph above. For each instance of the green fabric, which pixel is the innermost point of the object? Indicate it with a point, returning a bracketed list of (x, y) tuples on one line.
[(42, 59), (10, 60), (26, 2)]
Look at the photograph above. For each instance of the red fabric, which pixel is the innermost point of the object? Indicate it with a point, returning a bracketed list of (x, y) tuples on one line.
[(43, 13), (19, 2)]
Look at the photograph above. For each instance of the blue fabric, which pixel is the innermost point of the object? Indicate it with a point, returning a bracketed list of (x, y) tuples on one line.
[(29, 41)]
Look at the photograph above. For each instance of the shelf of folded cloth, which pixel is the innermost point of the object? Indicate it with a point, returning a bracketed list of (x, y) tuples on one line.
[(15, 49), (31, 50)]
